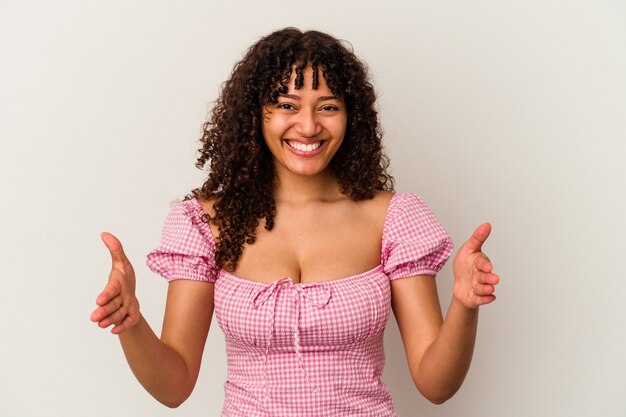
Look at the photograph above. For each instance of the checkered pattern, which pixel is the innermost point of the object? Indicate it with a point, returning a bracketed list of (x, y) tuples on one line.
[(305, 349)]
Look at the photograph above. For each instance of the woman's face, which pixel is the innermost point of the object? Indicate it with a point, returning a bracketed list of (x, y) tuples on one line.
[(305, 128)]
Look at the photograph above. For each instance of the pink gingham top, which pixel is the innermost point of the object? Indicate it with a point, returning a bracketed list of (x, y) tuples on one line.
[(305, 349)]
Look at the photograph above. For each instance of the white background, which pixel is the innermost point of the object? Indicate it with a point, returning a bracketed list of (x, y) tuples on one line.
[(512, 112)]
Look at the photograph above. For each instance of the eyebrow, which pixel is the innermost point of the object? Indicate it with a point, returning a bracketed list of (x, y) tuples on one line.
[(295, 97)]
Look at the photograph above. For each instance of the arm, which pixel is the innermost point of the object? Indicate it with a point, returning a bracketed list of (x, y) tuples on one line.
[(439, 352), (167, 367)]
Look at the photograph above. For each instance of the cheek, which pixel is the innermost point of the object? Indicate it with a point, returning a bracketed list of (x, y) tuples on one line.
[(274, 128), (342, 122), (268, 132), (340, 129)]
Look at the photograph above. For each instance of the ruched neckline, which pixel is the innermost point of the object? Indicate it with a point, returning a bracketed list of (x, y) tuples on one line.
[(337, 281)]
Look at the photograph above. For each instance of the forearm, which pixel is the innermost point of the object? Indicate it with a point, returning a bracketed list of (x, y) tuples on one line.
[(446, 362), (160, 369)]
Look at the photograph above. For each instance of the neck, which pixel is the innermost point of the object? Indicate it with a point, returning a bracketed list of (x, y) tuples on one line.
[(293, 188)]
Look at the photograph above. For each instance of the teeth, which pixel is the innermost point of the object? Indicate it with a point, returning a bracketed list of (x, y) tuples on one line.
[(302, 147)]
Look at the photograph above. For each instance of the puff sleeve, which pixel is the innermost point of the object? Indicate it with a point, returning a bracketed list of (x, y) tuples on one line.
[(186, 250), (414, 242)]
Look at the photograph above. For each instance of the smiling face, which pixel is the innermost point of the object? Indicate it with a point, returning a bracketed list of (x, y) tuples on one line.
[(305, 128)]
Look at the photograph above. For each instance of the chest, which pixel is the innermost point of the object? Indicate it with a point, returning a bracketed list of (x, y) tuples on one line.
[(320, 316), (315, 243)]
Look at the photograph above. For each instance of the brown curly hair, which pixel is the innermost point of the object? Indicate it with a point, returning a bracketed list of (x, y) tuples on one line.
[(241, 179)]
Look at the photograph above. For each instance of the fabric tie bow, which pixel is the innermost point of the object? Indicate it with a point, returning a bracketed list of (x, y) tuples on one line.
[(316, 294)]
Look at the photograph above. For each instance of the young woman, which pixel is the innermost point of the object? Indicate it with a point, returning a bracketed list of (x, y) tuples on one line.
[(300, 245)]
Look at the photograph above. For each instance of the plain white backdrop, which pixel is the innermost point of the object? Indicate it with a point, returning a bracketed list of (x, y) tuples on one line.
[(512, 112)]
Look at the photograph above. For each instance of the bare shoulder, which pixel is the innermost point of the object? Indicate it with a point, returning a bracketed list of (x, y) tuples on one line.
[(381, 201), (383, 197), (377, 206), (207, 205)]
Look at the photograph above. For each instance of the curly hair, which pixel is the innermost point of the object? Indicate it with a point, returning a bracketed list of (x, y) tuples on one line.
[(241, 179)]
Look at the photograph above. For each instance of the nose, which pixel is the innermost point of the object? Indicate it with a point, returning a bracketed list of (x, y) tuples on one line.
[(307, 124)]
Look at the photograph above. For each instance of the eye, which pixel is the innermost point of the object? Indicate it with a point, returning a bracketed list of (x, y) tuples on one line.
[(285, 106), (330, 107)]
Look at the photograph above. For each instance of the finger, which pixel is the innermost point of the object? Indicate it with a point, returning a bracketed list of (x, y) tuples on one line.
[(483, 264), (115, 318), (488, 278), (129, 321), (112, 290), (115, 247), (105, 310), (486, 299), (475, 242), (482, 290)]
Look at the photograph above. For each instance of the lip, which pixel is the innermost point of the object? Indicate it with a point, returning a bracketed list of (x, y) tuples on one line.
[(306, 154)]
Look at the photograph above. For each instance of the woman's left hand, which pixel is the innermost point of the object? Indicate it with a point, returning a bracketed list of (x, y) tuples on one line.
[(474, 281)]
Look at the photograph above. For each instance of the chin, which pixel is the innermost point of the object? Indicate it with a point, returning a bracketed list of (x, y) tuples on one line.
[(306, 171)]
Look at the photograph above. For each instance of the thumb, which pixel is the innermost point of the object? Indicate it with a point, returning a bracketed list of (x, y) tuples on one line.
[(115, 247), (480, 235)]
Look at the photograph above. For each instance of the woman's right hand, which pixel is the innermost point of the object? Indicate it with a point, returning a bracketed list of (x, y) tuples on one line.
[(117, 304)]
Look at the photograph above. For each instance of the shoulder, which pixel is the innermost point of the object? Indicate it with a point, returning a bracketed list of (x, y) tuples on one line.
[(186, 249), (380, 202), (409, 216), (374, 210), (206, 204), (382, 198), (371, 213), (414, 242), (407, 203), (186, 221)]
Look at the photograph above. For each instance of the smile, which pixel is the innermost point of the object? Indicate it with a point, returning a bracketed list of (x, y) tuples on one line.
[(302, 147)]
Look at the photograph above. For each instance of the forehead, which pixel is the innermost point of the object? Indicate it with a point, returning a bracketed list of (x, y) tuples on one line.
[(297, 80), (310, 79)]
